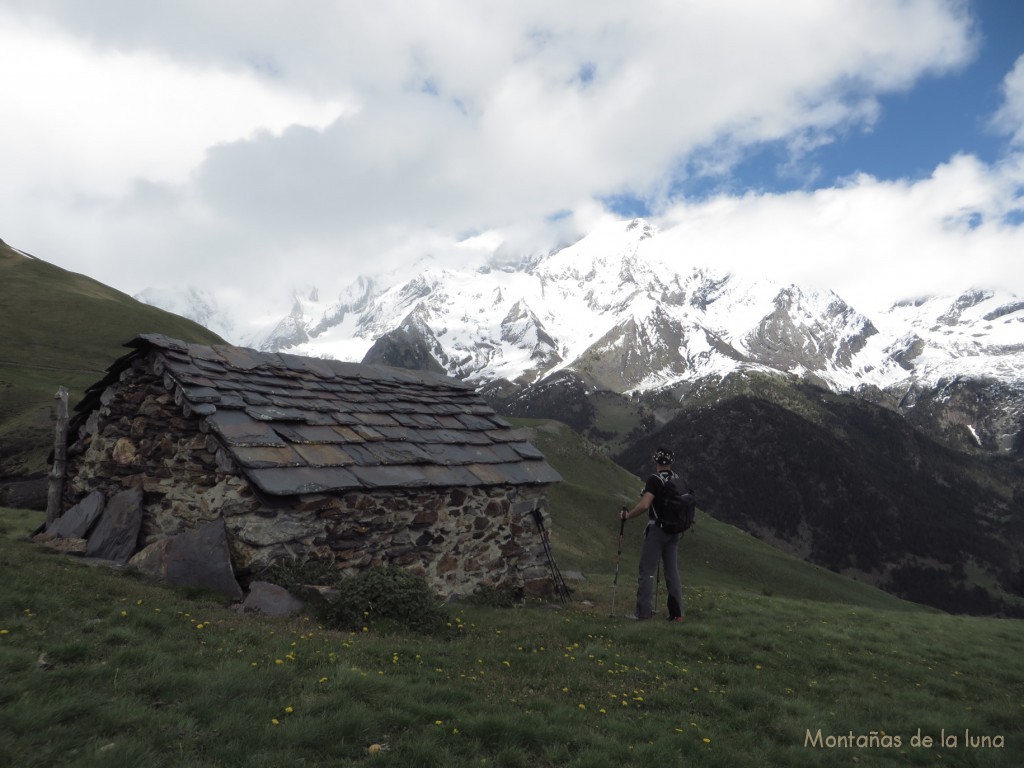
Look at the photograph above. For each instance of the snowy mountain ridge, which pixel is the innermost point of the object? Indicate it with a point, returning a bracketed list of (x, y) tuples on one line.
[(628, 313)]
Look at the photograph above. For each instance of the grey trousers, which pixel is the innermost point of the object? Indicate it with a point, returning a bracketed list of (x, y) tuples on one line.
[(663, 547)]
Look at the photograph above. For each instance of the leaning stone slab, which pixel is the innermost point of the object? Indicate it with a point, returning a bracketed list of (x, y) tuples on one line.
[(76, 522), (116, 535), (198, 558), (64, 545), (271, 600)]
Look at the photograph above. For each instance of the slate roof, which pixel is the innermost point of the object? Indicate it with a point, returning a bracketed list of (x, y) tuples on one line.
[(296, 425)]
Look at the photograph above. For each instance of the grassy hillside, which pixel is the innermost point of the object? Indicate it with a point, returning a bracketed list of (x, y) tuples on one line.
[(104, 669), (713, 554), (60, 328)]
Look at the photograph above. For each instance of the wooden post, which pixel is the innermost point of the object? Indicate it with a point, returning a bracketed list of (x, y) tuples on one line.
[(60, 458)]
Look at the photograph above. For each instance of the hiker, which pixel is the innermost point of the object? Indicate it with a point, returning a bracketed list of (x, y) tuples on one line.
[(658, 545)]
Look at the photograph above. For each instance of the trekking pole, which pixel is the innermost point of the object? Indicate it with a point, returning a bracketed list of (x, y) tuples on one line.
[(618, 558), (657, 587), (561, 588)]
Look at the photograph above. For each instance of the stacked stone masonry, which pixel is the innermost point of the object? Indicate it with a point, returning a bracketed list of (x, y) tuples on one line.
[(143, 434)]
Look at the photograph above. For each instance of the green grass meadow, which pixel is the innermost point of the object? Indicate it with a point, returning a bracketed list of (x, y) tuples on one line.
[(104, 668), (779, 663)]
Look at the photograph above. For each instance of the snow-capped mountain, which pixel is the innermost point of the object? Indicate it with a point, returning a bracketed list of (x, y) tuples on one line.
[(627, 313), (193, 303)]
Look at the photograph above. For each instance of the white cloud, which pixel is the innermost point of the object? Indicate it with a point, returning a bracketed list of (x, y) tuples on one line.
[(871, 241), (246, 145), (94, 119), (1010, 117)]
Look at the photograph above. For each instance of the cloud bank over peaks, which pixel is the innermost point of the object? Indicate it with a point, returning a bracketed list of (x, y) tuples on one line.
[(233, 147)]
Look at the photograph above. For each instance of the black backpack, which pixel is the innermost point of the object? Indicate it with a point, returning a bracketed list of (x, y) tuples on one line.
[(677, 508)]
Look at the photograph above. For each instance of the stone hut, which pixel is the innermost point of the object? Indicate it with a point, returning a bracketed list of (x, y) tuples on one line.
[(299, 457)]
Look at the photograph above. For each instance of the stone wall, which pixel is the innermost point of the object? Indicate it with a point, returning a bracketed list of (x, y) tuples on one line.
[(456, 538)]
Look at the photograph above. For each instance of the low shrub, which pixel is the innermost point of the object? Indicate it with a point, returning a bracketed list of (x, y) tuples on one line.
[(495, 597), (386, 598)]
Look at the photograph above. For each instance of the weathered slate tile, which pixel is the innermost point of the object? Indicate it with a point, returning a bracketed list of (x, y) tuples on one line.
[(447, 409), (309, 433), (390, 477), (539, 471), (209, 365), (320, 404), (291, 401), (165, 343), (200, 394), (194, 380), (348, 435), (318, 418), (313, 365), (367, 433), (237, 428), (508, 435), (323, 455), (344, 418), (398, 433), (527, 451), (448, 454), (426, 420), (273, 413), (505, 452), (376, 420), (450, 436), (398, 453), (200, 352), (477, 423), (494, 474), (455, 476), (361, 453), (200, 409), (255, 398), (268, 456), (474, 438), (241, 358), (288, 481), (405, 420)]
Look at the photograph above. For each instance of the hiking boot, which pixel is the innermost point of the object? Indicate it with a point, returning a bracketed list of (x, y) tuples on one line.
[(634, 617), (675, 619)]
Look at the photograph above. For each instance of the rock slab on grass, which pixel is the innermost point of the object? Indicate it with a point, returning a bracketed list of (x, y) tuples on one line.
[(198, 558), (76, 522), (116, 535), (271, 600)]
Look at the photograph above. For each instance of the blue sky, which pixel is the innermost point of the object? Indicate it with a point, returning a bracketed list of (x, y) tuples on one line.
[(917, 129), (207, 144)]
